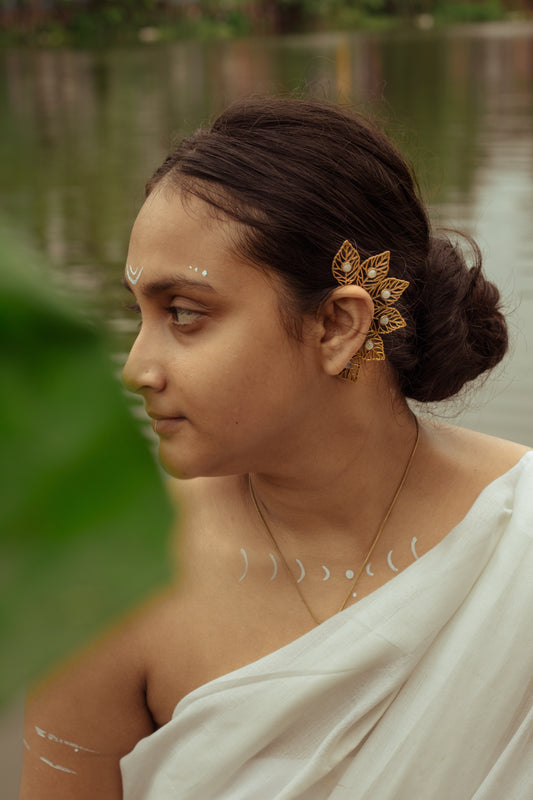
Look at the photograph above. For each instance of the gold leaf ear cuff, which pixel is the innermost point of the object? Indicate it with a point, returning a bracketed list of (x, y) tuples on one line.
[(370, 275)]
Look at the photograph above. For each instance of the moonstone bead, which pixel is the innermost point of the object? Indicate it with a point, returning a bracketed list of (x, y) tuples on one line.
[(346, 267), (385, 294), (369, 345), (372, 273), (384, 321)]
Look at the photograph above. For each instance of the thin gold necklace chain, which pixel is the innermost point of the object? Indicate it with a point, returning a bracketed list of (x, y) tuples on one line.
[(372, 546)]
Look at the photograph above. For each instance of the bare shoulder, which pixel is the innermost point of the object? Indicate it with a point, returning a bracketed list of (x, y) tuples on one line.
[(483, 456), (82, 719), (210, 623), (459, 465)]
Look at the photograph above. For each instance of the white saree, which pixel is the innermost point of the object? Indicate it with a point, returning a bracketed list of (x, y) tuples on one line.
[(421, 691)]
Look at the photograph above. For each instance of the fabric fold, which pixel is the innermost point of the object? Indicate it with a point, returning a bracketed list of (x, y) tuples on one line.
[(417, 690)]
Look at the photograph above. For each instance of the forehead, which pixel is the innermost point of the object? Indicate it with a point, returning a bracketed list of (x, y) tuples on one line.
[(166, 220), (169, 235), (172, 239)]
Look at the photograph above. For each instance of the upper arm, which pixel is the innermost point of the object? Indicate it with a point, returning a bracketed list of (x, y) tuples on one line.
[(82, 721)]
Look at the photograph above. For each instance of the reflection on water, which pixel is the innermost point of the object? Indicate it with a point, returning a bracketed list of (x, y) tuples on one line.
[(83, 131)]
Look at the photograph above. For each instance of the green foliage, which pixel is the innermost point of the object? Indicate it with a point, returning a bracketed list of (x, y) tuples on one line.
[(103, 22), (373, 6), (84, 517), (356, 14), (487, 11)]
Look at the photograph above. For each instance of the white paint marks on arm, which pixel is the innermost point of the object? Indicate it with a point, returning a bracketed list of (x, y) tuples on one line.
[(327, 573), (368, 570), (53, 738), (58, 766)]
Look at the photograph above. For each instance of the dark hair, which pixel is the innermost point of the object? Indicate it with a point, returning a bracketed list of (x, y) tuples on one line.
[(302, 177)]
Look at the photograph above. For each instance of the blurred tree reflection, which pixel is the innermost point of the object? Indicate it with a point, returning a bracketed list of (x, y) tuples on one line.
[(101, 21)]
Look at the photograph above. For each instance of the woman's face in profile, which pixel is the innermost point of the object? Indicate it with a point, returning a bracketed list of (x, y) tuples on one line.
[(225, 384)]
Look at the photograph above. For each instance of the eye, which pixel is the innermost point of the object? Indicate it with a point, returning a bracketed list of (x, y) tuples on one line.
[(184, 316), (136, 309)]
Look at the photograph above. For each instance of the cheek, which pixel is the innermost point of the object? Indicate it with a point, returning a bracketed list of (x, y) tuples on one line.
[(263, 392), (241, 376)]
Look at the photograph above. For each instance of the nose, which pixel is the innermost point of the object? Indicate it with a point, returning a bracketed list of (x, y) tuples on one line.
[(142, 370)]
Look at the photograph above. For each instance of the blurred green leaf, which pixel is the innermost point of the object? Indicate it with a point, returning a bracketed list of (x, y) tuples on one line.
[(84, 517)]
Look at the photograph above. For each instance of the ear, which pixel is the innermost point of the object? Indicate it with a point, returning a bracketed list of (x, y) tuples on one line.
[(343, 319)]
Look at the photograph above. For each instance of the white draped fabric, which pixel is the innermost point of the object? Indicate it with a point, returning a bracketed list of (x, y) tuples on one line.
[(420, 691)]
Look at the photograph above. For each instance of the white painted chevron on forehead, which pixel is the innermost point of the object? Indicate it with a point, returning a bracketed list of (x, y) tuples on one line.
[(132, 274)]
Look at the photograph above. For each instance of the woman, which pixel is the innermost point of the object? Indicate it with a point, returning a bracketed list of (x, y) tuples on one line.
[(351, 615)]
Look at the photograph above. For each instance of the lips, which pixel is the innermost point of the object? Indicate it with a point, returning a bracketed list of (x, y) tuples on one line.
[(164, 426)]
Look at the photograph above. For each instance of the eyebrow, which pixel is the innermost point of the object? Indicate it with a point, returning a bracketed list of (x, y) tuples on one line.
[(177, 282)]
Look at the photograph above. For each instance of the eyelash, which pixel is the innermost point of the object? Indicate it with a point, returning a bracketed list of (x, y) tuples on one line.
[(174, 311)]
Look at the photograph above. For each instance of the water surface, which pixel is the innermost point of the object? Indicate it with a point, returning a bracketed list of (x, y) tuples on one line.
[(82, 131)]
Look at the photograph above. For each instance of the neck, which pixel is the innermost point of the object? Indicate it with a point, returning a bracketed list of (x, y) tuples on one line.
[(341, 480)]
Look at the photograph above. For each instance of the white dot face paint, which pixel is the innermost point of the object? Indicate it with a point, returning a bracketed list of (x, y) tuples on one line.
[(350, 574), (203, 273), (133, 274)]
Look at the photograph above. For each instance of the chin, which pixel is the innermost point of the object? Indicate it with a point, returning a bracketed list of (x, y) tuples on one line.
[(178, 466), (173, 469)]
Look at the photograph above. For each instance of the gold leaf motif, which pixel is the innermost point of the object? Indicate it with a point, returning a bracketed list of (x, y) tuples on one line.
[(347, 269), (393, 317), (346, 255), (380, 265), (351, 371), (377, 351), (393, 287)]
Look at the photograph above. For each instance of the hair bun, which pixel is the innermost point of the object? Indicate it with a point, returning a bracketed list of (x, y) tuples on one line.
[(460, 329)]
